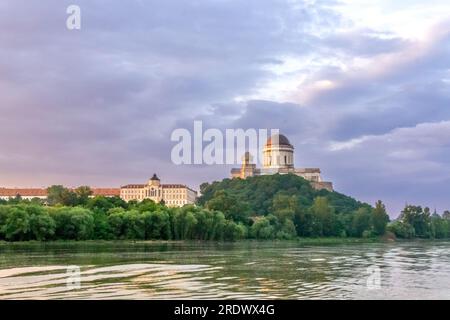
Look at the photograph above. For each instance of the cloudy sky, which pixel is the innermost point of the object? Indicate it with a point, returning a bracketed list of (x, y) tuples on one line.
[(361, 88)]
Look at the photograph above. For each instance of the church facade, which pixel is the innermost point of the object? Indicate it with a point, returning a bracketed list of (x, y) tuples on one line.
[(278, 157), (173, 195)]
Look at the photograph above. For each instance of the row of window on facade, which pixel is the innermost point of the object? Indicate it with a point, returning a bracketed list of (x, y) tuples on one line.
[(287, 160), (153, 192)]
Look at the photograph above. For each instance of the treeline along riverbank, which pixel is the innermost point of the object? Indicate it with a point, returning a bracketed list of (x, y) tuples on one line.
[(265, 207)]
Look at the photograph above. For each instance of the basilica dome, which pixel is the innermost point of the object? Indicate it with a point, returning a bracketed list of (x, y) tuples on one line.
[(278, 140)]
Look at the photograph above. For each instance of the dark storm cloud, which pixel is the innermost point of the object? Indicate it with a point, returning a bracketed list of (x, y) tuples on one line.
[(98, 106), (103, 100)]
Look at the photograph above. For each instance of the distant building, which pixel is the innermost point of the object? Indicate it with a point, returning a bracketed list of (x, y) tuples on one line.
[(278, 157), (173, 195), (40, 193)]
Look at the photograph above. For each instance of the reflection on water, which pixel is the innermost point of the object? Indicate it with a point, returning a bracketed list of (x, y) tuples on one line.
[(248, 270)]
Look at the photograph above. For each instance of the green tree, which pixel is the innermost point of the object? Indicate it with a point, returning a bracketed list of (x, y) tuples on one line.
[(233, 231), (285, 206), (303, 221), (324, 217), (54, 194), (147, 205), (16, 200), (209, 224), (184, 223), (116, 222), (17, 224), (287, 230), (401, 229), (103, 204), (157, 225), (418, 218), (134, 225), (262, 229), (73, 223), (380, 218), (42, 225), (438, 227), (232, 207), (102, 229), (361, 222), (58, 194), (83, 193)]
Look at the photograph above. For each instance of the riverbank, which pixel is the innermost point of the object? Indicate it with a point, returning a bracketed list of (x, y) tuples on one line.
[(299, 241)]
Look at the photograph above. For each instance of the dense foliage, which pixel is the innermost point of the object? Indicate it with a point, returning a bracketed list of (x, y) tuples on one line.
[(418, 222), (265, 207), (101, 218), (286, 206)]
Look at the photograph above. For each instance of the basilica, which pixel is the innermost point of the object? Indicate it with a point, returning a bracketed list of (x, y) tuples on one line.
[(278, 157)]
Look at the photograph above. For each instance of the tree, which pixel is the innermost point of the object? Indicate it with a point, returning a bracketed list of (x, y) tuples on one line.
[(438, 227), (42, 226), (116, 222), (284, 207), (230, 205), (102, 204), (324, 216), (401, 229), (54, 194), (380, 218), (287, 230), (146, 205), (303, 221), (83, 193), (157, 225), (262, 229), (184, 223), (446, 215), (209, 224), (4, 211), (134, 225), (361, 222), (418, 218), (17, 224), (102, 229), (233, 231), (73, 223), (16, 200)]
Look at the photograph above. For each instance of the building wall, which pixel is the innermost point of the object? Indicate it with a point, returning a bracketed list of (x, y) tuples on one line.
[(23, 197), (41, 193), (278, 157), (174, 195)]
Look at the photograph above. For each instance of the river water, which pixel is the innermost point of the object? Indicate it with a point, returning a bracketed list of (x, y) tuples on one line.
[(244, 270)]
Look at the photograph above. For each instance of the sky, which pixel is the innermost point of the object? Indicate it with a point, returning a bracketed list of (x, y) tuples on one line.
[(361, 89)]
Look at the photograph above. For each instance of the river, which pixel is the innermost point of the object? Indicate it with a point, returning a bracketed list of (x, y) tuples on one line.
[(242, 270)]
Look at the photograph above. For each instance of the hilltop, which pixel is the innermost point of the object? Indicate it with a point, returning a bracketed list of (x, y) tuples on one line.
[(283, 206), (259, 193)]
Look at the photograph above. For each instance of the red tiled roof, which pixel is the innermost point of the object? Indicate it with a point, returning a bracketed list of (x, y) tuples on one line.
[(133, 186), (177, 186), (106, 192), (24, 192), (38, 192)]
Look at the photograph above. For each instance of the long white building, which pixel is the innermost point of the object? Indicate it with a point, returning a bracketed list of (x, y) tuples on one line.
[(173, 195)]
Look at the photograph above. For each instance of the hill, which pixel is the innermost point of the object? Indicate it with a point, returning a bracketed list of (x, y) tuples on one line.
[(285, 206), (259, 192)]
